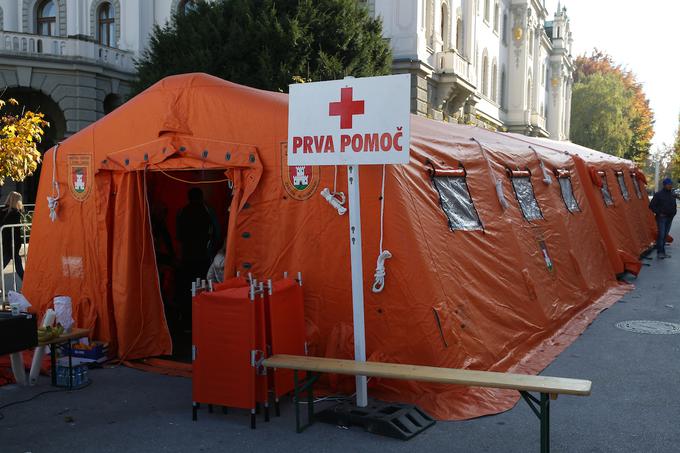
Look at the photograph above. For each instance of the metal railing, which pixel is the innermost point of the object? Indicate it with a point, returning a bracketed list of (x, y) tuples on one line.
[(69, 48), (24, 229)]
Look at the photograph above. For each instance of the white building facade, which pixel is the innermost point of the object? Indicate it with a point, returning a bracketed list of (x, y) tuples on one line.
[(498, 64), (73, 60), (495, 63)]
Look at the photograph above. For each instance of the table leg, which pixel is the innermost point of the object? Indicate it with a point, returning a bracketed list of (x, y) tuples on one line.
[(70, 367), (53, 365)]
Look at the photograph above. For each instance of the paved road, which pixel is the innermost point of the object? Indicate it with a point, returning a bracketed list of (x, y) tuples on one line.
[(635, 405)]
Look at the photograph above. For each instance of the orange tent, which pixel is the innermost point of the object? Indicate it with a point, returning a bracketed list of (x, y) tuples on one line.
[(493, 268)]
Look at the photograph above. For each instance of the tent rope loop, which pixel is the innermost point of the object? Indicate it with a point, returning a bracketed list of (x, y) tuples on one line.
[(335, 198), (380, 272), (546, 174), (497, 182), (53, 200)]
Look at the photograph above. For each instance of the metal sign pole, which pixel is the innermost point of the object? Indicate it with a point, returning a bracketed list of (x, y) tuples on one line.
[(357, 278)]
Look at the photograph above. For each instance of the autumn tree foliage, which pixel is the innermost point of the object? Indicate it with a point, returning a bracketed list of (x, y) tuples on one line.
[(610, 111), (675, 161), (20, 134)]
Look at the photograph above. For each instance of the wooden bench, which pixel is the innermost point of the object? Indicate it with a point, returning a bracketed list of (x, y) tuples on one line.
[(548, 387)]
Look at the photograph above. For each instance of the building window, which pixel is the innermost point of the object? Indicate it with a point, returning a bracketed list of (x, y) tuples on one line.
[(459, 35), (494, 82), (186, 6), (429, 22), (485, 73), (622, 185), (530, 42), (606, 195), (504, 31), (455, 200), (486, 10), (496, 16), (529, 94), (524, 192), (564, 178), (47, 18), (445, 26), (503, 100), (105, 24)]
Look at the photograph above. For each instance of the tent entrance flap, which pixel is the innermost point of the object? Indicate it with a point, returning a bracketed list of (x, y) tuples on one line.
[(189, 212)]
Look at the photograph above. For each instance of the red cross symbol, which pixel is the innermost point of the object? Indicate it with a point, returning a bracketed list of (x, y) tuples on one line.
[(346, 108)]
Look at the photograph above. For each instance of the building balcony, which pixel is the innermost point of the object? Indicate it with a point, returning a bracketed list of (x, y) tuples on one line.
[(451, 62), (457, 81), (537, 121), (66, 49)]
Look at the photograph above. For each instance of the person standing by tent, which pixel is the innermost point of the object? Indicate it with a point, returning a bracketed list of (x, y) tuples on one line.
[(196, 234), (10, 214), (216, 271), (664, 208)]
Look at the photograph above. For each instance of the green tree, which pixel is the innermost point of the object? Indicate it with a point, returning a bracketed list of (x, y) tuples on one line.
[(268, 44), (635, 112), (598, 114)]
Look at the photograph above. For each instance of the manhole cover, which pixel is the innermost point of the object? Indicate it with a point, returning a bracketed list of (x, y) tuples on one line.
[(650, 327)]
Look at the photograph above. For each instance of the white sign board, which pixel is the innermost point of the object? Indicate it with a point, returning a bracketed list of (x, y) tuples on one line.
[(350, 121)]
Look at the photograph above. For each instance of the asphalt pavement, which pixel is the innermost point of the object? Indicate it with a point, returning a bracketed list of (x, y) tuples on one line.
[(634, 406)]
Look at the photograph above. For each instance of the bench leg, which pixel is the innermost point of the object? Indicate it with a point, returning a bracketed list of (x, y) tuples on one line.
[(545, 423), (300, 387), (541, 408)]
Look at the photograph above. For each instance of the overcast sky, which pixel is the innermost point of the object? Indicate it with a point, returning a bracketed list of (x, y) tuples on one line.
[(642, 35)]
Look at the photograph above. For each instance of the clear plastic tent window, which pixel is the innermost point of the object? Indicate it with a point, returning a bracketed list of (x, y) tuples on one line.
[(568, 194), (456, 202), (622, 186), (525, 196), (606, 195), (636, 186)]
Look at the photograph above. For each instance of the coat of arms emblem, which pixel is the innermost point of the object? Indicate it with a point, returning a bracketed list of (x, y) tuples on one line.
[(80, 175), (300, 181)]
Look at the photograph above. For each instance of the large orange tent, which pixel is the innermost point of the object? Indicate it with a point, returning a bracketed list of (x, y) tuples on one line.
[(493, 267)]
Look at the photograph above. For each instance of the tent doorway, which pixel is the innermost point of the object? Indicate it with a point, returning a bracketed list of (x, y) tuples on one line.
[(189, 212)]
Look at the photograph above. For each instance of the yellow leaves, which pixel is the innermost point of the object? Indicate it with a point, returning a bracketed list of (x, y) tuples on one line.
[(19, 135)]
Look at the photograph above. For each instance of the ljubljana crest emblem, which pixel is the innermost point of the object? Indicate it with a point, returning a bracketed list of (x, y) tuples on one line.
[(80, 175), (300, 181)]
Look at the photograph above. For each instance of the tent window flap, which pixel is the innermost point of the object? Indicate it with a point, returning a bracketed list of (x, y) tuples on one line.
[(526, 198), (456, 202), (606, 195), (636, 185), (568, 194), (622, 186)]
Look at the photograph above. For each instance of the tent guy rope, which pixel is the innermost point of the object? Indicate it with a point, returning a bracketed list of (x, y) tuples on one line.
[(53, 200), (380, 272)]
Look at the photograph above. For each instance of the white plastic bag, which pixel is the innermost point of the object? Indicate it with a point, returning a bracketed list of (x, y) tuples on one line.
[(62, 305), (18, 300), (40, 351)]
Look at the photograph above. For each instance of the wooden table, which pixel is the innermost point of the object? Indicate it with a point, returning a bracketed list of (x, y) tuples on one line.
[(66, 338)]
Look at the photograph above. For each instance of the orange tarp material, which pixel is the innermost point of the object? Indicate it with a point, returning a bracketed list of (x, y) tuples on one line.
[(483, 299)]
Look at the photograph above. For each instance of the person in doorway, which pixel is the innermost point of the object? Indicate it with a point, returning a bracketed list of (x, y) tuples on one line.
[(196, 234), (664, 208), (10, 214), (216, 271)]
